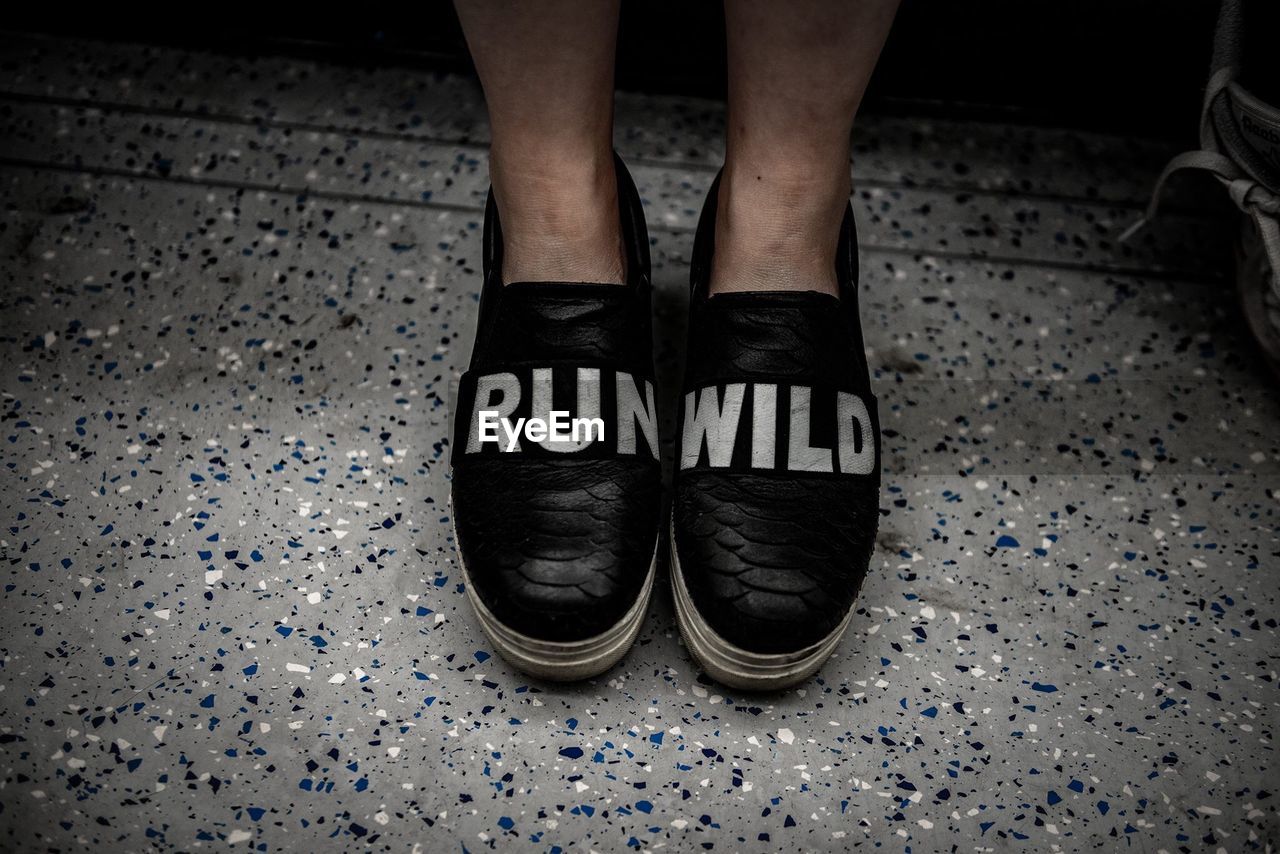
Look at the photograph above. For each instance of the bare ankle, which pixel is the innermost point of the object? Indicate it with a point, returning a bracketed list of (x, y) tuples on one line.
[(778, 229), (560, 219)]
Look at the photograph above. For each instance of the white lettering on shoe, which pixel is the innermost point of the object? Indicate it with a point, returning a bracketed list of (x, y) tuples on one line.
[(713, 420), (588, 407), (800, 456), (857, 451), (633, 411), (764, 428), (495, 393), (498, 397), (710, 422)]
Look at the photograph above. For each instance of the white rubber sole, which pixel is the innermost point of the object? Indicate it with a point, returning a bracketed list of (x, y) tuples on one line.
[(734, 666), (560, 661)]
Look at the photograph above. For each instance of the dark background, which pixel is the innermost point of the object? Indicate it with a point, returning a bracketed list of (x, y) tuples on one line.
[(1126, 66)]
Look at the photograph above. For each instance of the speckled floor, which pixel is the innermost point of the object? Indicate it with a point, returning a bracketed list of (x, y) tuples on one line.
[(235, 295)]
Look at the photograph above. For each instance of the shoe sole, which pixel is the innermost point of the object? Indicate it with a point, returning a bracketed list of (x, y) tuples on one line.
[(734, 666), (559, 661)]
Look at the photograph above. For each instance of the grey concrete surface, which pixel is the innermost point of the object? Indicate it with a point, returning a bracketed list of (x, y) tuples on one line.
[(235, 293)]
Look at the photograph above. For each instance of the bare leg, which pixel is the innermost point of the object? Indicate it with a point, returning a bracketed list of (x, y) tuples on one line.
[(797, 73), (547, 72)]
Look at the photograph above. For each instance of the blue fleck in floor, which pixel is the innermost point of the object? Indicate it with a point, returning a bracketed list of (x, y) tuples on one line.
[(235, 294)]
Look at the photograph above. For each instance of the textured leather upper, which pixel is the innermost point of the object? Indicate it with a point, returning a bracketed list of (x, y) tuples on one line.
[(773, 557), (557, 550), (558, 546), (543, 323)]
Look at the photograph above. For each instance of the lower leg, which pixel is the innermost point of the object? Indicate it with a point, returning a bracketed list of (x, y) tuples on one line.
[(797, 73), (547, 72)]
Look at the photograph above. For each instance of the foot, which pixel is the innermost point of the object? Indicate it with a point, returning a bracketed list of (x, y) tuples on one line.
[(778, 473), (557, 535)]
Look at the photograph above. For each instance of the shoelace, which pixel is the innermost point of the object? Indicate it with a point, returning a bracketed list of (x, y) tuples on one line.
[(1249, 195)]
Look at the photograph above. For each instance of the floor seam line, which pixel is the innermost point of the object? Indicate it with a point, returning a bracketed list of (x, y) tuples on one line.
[(1050, 264), (1132, 204)]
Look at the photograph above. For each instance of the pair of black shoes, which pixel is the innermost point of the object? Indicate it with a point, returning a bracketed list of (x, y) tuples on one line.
[(557, 486)]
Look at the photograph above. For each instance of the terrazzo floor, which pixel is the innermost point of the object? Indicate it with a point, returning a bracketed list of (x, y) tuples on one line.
[(235, 294)]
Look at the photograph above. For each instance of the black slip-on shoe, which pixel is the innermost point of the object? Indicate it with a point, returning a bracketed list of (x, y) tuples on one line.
[(777, 476), (557, 528)]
